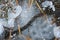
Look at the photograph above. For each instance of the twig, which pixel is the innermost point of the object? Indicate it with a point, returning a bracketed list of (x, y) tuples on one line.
[(19, 30), (16, 2), (10, 34), (41, 9), (30, 3), (28, 38)]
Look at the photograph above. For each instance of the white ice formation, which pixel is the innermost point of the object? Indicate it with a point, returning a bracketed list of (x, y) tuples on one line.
[(48, 4), (57, 32), (1, 29), (11, 18), (13, 15), (17, 12), (41, 29), (27, 13)]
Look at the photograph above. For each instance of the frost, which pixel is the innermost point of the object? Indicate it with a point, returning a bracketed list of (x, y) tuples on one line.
[(56, 32), (27, 13), (41, 29), (17, 12), (48, 4), (1, 28), (11, 22), (12, 16)]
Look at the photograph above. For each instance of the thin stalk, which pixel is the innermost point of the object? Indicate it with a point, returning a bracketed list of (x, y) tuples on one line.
[(16, 2), (19, 30), (40, 9)]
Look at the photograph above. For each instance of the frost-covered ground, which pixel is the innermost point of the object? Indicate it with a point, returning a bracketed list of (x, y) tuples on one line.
[(27, 13), (40, 29)]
